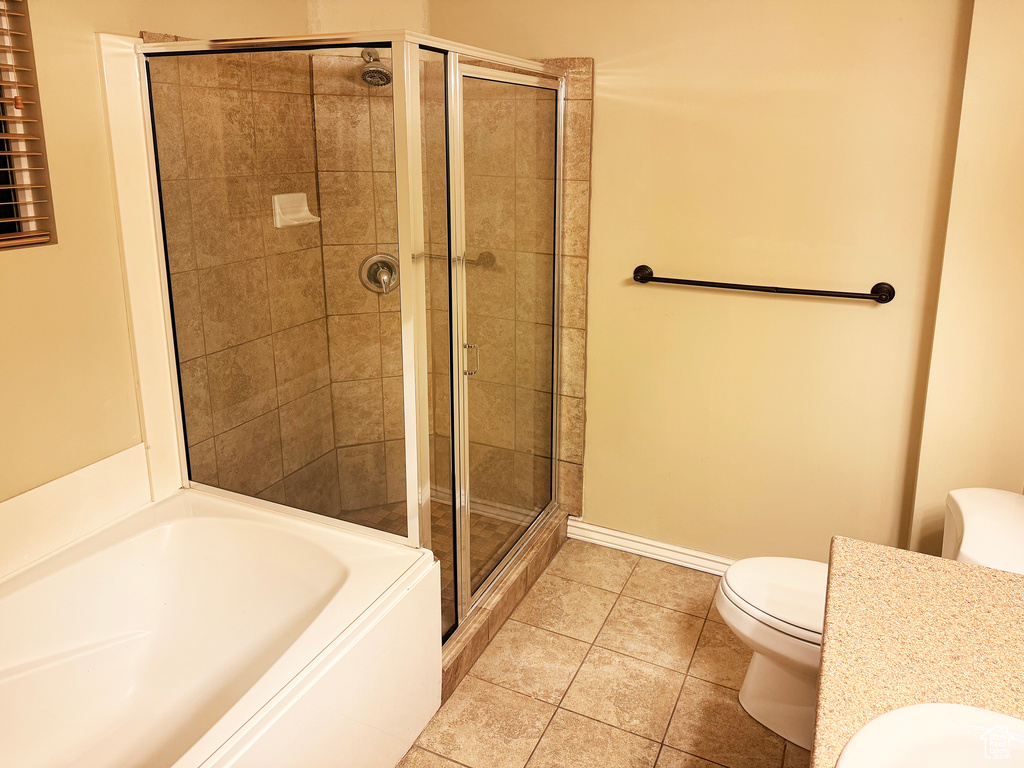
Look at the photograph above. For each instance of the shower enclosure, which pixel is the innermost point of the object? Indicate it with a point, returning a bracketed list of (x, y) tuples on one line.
[(362, 248)]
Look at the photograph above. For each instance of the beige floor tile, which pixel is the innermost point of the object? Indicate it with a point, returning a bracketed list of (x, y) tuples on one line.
[(796, 757), (484, 726), (572, 741), (420, 758), (710, 723), (593, 564), (713, 614), (652, 633), (531, 661), (673, 758), (672, 586), (625, 692), (721, 657), (566, 607)]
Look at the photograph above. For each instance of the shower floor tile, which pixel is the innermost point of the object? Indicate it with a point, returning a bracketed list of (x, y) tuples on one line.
[(657, 622)]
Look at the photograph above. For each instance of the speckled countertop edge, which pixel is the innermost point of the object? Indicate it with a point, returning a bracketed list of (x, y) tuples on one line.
[(904, 628)]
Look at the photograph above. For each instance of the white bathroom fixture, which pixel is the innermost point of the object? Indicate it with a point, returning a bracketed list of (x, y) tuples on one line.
[(936, 736), (292, 210), (985, 526), (776, 605)]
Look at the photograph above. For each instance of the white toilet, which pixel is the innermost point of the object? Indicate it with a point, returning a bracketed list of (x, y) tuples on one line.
[(776, 605)]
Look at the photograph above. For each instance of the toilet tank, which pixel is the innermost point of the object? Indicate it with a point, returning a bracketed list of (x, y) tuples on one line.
[(985, 526)]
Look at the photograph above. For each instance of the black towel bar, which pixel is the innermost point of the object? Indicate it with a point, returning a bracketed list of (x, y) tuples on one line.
[(883, 293)]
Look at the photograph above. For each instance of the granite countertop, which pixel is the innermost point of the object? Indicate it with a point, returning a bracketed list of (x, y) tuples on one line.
[(905, 628)]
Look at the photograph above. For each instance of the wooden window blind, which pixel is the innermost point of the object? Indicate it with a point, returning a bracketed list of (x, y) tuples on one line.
[(26, 216)]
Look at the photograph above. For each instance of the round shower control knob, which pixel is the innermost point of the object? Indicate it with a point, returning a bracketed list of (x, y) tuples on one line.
[(379, 273)]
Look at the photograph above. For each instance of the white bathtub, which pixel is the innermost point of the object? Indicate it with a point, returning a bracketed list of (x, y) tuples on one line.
[(206, 632)]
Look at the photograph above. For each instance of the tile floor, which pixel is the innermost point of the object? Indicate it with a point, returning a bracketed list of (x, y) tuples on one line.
[(611, 661)]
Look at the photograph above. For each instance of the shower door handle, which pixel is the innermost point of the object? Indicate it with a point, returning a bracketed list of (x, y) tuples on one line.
[(477, 366)]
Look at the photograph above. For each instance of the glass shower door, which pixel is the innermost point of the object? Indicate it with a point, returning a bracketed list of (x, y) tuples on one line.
[(506, 339)]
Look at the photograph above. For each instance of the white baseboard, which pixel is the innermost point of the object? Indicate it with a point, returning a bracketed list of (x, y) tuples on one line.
[(48, 517), (638, 545)]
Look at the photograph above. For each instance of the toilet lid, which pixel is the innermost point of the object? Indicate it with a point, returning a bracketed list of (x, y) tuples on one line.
[(786, 589), (992, 522)]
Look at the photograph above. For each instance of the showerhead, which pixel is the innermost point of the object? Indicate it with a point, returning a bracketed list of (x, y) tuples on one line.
[(374, 71)]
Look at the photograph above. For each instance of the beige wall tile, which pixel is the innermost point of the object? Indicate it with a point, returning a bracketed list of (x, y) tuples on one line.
[(347, 208), (490, 213), (301, 360), (579, 76), (195, 393), (220, 136), (170, 131), (358, 412), (362, 476), (439, 342), (532, 661), (578, 121), (236, 306), (202, 459), (652, 633), (534, 359), (576, 218), (276, 493), (249, 456), (570, 487), (491, 287), (573, 741), (188, 315), (535, 288), (164, 70), (382, 134), (343, 133), (177, 208), (442, 405), (218, 70), (572, 424), (672, 586), (490, 137), (492, 409), (532, 478), (226, 220), (496, 339), (491, 473), (394, 408), (338, 75), (385, 207), (286, 239), (435, 133), (355, 346), (533, 422), (625, 692), (572, 362), (437, 267), (391, 343), (242, 383), (536, 123), (281, 71), (574, 292), (296, 285), (315, 487), (535, 216), (307, 429), (473, 88), (346, 295), (438, 213), (736, 739), (394, 453), (284, 132)]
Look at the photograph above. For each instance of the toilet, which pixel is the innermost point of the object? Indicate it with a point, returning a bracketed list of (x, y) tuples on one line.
[(776, 606), (985, 526)]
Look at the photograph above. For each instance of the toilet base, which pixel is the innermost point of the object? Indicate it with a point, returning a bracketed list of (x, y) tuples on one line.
[(781, 699)]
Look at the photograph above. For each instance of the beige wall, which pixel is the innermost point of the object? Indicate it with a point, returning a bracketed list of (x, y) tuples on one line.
[(974, 420), (790, 143), (355, 15), (66, 382)]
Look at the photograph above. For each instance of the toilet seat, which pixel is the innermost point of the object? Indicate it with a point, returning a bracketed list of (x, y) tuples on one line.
[(783, 593)]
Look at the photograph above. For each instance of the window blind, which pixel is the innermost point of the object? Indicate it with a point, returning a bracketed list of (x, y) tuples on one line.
[(26, 216)]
